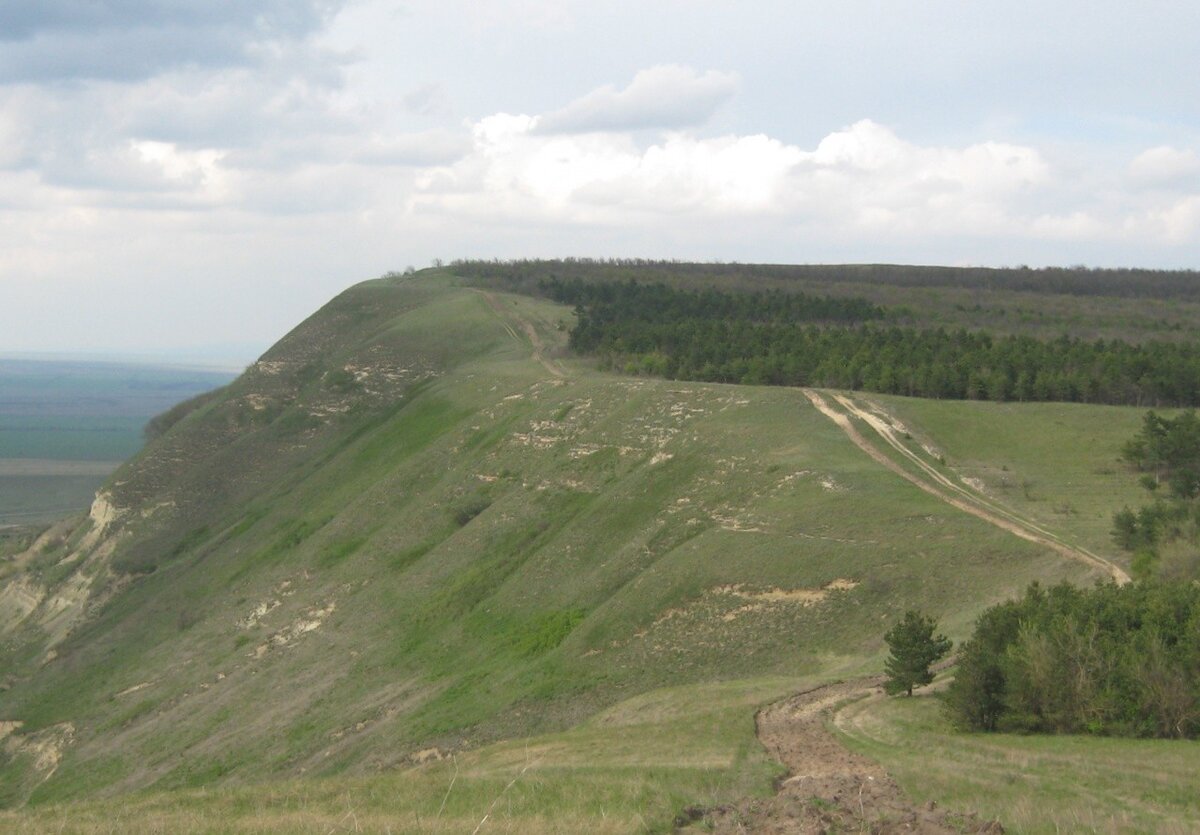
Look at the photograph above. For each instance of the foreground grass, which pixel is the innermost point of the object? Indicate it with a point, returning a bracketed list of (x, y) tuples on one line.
[(631, 768), (1031, 784)]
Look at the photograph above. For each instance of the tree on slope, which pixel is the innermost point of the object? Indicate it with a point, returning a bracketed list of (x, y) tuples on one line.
[(914, 648)]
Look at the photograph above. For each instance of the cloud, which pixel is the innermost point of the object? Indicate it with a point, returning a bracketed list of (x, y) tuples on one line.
[(26, 18), (426, 100), (288, 112), (863, 182), (1165, 166), (130, 40), (665, 96), (861, 177), (427, 148)]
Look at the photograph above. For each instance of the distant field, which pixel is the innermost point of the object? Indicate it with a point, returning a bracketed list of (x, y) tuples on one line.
[(97, 437), (65, 426)]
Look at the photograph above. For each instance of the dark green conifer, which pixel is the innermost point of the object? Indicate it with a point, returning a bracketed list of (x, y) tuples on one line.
[(915, 649)]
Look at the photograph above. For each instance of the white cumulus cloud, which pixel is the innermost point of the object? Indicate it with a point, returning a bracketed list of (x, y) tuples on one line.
[(863, 177)]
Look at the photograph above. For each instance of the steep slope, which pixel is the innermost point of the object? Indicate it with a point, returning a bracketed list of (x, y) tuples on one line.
[(412, 526)]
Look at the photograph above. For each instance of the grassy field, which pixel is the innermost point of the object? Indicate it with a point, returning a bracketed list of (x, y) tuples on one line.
[(1056, 463), (1032, 784), (35, 498)]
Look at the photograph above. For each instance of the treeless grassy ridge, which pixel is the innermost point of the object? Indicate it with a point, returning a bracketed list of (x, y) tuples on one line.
[(402, 531)]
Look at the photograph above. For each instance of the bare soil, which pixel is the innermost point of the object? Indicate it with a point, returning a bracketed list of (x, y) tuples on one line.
[(828, 787)]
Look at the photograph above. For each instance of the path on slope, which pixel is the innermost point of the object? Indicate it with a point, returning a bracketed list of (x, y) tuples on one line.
[(535, 339), (829, 788), (940, 486)]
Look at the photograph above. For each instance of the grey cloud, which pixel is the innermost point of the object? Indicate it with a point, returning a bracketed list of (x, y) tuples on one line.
[(665, 96), (426, 100), (435, 147), (128, 40), (117, 56), (21, 19), (236, 108)]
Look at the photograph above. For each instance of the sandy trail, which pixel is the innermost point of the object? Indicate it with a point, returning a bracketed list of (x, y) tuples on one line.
[(828, 788), (535, 339), (937, 484)]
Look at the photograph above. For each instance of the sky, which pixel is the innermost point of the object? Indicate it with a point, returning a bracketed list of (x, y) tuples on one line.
[(188, 180)]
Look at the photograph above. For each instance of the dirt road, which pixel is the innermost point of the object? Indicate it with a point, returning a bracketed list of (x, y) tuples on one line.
[(828, 788), (937, 484), (535, 340)]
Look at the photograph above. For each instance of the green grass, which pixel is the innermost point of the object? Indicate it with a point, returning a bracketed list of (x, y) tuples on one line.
[(633, 767), (1056, 463), (1032, 784)]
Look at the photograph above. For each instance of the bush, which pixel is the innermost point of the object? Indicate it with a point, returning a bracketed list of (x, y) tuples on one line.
[(160, 423), (469, 509)]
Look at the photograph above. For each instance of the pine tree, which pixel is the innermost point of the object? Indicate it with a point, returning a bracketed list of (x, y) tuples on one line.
[(914, 649)]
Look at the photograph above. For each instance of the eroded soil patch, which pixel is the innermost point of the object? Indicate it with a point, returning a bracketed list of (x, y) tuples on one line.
[(828, 787)]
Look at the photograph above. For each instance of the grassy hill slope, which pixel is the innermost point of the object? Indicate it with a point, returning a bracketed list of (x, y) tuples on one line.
[(414, 526)]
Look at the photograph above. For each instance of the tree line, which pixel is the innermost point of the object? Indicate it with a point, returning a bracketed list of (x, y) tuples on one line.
[(1112, 660), (775, 338), (628, 301), (1078, 280)]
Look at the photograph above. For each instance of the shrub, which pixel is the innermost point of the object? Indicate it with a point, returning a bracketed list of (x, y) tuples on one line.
[(1122, 660)]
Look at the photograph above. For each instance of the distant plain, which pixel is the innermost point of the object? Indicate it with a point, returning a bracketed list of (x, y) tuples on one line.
[(66, 426)]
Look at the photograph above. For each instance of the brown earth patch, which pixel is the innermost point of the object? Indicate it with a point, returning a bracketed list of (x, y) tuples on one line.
[(828, 788)]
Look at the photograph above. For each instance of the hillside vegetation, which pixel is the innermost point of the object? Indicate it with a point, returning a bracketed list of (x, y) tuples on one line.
[(417, 528), (1113, 660)]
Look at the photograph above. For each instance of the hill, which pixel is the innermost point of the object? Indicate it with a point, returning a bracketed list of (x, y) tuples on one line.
[(416, 528)]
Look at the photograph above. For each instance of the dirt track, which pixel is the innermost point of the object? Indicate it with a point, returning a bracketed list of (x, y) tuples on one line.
[(828, 788), (937, 484), (535, 339)]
